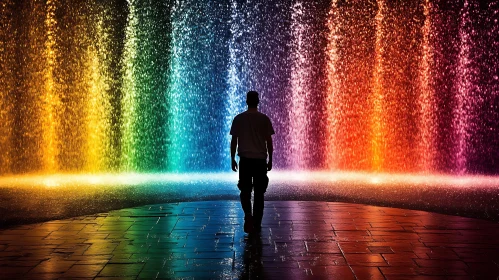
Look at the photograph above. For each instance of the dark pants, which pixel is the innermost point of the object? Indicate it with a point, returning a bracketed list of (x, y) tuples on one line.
[(253, 174)]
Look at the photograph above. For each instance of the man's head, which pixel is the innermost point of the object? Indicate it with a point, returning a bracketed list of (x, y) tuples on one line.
[(252, 99)]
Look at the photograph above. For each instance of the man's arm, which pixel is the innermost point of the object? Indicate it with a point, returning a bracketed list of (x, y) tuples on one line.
[(233, 147), (270, 150)]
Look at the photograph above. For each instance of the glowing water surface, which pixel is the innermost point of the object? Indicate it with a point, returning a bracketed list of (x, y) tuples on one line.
[(30, 198), (228, 180)]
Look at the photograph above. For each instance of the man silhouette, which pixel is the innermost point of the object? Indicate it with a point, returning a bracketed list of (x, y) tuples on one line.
[(252, 136)]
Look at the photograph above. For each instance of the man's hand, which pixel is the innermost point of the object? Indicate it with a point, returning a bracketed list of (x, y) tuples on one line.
[(234, 165), (270, 150)]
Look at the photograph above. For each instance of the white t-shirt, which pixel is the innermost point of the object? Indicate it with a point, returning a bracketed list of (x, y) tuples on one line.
[(251, 130)]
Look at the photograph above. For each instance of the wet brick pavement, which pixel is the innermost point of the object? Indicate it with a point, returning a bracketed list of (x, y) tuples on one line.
[(299, 240)]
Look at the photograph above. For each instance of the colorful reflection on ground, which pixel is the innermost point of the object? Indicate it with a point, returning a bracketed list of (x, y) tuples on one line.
[(299, 240)]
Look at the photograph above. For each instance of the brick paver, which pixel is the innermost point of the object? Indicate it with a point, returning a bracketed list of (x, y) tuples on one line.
[(299, 240)]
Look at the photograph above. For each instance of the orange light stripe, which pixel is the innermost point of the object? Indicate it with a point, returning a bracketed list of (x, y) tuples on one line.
[(377, 125)]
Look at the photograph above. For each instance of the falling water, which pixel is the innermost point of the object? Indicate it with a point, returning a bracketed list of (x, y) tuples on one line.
[(152, 86), (145, 83), (235, 88), (8, 83), (180, 34), (301, 82), (489, 129), (98, 107), (269, 74), (130, 95), (393, 98), (468, 95), (50, 98), (377, 119), (196, 104), (333, 86), (349, 70), (426, 97)]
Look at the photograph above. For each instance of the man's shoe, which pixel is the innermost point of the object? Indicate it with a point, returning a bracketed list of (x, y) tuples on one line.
[(248, 224)]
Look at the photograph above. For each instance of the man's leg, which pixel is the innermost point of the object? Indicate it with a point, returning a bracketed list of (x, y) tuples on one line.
[(245, 197), (245, 185), (261, 182), (258, 209)]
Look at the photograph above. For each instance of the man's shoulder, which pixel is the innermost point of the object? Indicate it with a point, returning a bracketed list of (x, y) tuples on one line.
[(238, 116), (257, 114), (264, 116), (247, 114)]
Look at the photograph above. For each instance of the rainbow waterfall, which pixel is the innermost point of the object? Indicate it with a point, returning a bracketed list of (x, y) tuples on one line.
[(152, 86)]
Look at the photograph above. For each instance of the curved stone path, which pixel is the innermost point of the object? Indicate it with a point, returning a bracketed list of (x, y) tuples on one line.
[(299, 240)]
